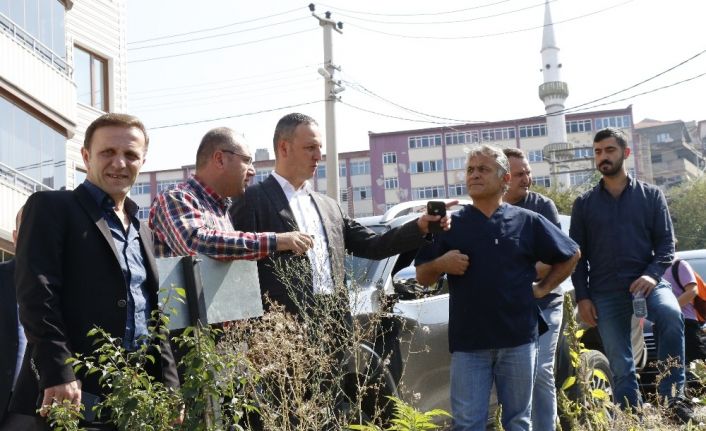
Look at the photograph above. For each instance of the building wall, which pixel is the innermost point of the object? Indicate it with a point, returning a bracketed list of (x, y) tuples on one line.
[(97, 26), (573, 163)]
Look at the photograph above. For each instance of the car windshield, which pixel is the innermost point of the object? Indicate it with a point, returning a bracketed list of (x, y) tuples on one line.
[(699, 265), (359, 270)]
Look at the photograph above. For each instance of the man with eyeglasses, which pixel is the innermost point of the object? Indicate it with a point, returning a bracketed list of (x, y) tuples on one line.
[(193, 217)]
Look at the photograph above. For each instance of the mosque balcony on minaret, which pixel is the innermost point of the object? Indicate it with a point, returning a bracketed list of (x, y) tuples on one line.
[(554, 89)]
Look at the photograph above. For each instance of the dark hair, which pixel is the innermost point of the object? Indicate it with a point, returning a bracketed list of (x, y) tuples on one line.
[(114, 120), (287, 125), (610, 132), (514, 152), (213, 140)]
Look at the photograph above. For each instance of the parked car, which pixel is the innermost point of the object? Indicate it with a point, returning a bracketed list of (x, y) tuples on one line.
[(697, 260), (413, 335)]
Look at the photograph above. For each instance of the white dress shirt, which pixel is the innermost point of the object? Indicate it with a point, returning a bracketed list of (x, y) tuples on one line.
[(309, 221)]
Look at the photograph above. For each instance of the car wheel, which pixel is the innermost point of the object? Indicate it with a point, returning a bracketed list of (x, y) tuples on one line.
[(601, 378)]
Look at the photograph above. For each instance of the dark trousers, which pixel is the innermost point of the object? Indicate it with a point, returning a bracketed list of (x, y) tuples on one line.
[(18, 422), (694, 343)]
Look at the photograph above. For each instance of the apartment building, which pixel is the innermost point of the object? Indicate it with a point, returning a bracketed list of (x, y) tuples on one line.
[(353, 171), (675, 151), (430, 163), (63, 64)]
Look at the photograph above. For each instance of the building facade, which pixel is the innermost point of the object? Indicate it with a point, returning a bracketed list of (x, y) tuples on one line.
[(430, 163), (353, 170), (63, 64), (674, 149)]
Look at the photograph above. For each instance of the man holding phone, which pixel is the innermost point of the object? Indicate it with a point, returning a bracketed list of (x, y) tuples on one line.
[(490, 254)]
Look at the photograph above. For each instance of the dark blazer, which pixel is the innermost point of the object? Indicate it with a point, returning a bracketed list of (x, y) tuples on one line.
[(69, 280), (9, 342), (264, 208)]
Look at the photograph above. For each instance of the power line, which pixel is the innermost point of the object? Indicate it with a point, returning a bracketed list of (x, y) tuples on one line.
[(258, 92), (213, 28), (176, 42), (445, 124), (634, 85), (674, 84), (235, 115), (414, 14), (360, 88), (448, 22), (480, 36), (200, 51), (242, 78)]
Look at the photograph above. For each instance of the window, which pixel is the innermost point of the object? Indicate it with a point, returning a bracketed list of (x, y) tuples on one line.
[(578, 126), (460, 138), (663, 137), (344, 195), (535, 156), (579, 178), (426, 166), (542, 181), (143, 213), (533, 130), (140, 189), (360, 168), (361, 193), (455, 163), (31, 147), (622, 122), (457, 190), (342, 169), (389, 158), (91, 76), (428, 192), (321, 171), (657, 158), (391, 183), (499, 134), (583, 153), (166, 184), (425, 141), (390, 205), (261, 175)]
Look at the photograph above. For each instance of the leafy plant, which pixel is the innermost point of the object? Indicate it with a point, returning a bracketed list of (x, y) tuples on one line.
[(406, 418)]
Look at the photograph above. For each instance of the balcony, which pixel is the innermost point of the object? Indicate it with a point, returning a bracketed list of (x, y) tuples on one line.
[(36, 76), (15, 188), (554, 89)]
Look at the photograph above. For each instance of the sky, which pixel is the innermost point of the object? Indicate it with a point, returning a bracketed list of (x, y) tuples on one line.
[(245, 64)]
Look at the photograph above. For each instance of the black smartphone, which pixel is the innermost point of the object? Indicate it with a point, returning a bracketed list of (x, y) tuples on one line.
[(436, 208)]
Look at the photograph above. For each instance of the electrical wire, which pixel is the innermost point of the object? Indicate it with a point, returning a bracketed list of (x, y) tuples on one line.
[(415, 14), (200, 51), (394, 116), (480, 36), (217, 35), (242, 78), (235, 115), (213, 28), (499, 14)]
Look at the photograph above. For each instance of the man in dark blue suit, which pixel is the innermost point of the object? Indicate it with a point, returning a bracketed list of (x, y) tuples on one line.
[(12, 341)]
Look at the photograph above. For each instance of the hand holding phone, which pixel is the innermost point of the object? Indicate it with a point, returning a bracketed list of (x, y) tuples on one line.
[(436, 208)]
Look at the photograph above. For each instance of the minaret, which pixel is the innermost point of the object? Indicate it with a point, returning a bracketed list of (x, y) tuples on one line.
[(553, 91)]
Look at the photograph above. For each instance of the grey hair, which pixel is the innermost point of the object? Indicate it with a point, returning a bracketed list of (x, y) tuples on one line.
[(492, 152)]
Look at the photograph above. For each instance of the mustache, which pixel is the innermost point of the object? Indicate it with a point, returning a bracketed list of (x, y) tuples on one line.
[(605, 162)]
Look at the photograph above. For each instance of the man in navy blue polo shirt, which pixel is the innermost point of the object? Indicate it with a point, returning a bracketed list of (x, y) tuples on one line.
[(489, 255), (627, 241)]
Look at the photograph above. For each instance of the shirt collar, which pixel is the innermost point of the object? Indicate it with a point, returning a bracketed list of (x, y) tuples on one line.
[(105, 202), (198, 184), (288, 188), (631, 183)]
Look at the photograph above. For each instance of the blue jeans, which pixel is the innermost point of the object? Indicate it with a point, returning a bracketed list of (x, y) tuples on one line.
[(544, 394), (614, 324), (472, 376)]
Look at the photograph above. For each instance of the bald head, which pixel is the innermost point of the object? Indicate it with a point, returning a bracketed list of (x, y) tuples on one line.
[(220, 138)]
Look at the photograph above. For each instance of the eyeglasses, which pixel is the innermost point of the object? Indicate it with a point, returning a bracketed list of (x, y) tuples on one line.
[(247, 159)]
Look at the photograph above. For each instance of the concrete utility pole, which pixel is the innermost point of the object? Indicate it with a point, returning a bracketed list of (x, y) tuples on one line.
[(331, 89)]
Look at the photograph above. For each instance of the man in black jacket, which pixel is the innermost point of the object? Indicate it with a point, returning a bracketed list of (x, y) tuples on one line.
[(84, 260), (13, 341)]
